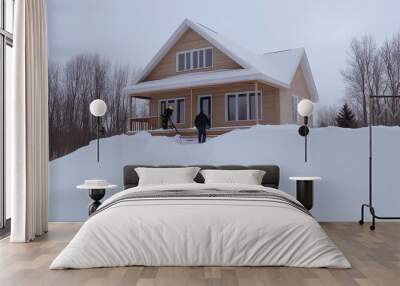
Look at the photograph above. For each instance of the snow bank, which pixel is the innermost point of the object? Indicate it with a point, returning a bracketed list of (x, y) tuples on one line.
[(339, 156)]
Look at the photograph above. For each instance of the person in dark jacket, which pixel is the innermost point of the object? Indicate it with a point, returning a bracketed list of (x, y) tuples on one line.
[(166, 117), (202, 122)]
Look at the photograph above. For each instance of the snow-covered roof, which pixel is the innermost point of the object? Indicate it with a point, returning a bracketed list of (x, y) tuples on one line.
[(188, 80), (276, 68)]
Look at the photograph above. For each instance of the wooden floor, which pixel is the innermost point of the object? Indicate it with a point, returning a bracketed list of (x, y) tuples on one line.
[(375, 257)]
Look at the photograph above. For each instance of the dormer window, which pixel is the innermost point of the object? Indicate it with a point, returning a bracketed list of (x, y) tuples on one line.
[(194, 59)]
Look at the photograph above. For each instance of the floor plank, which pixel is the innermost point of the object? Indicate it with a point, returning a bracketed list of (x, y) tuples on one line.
[(375, 257)]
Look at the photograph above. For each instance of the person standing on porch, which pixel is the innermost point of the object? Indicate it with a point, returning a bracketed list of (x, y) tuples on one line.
[(202, 122)]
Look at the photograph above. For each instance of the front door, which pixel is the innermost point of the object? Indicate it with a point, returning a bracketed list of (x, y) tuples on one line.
[(205, 105)]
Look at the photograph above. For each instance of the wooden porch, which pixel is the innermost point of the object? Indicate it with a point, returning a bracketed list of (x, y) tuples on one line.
[(190, 133), (144, 123), (148, 119)]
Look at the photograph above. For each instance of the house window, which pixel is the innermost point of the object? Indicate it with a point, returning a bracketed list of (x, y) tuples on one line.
[(6, 66), (180, 111), (231, 107), (194, 59), (295, 101), (188, 66), (181, 62), (178, 104), (209, 58), (253, 106), (201, 59), (243, 106), (163, 107)]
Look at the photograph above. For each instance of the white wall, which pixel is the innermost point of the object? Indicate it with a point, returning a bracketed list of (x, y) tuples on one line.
[(339, 156)]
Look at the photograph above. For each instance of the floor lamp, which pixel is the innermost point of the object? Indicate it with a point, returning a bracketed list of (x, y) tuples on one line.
[(305, 108), (98, 108)]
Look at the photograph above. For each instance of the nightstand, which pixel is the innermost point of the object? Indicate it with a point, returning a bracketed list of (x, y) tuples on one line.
[(305, 190), (97, 190)]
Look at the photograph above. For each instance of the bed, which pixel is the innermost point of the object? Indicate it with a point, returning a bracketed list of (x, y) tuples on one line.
[(198, 224)]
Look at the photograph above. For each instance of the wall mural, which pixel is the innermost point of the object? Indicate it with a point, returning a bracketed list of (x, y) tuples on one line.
[(197, 86)]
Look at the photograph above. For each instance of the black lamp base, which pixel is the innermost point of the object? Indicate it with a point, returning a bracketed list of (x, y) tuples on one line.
[(305, 193), (96, 195)]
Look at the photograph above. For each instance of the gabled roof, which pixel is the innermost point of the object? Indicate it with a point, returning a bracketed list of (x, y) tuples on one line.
[(197, 79), (282, 65), (276, 68)]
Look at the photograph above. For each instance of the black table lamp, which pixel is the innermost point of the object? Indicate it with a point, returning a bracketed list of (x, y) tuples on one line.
[(98, 108), (305, 108)]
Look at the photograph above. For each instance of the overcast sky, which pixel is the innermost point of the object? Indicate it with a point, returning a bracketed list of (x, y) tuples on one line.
[(129, 31)]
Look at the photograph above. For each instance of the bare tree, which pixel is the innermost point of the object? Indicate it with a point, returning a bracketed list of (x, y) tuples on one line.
[(359, 72), (390, 54), (326, 116), (71, 89), (374, 71), (116, 100), (55, 112)]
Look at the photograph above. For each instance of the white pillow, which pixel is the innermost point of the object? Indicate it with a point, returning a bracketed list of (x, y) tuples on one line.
[(248, 177), (166, 176)]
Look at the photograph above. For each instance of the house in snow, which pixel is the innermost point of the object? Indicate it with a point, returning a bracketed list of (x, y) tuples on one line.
[(200, 68)]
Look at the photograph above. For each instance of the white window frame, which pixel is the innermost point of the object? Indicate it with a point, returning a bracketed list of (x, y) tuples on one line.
[(191, 59), (236, 94), (175, 99)]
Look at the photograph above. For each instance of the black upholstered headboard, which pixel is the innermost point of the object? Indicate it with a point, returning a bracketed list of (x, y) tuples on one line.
[(271, 177)]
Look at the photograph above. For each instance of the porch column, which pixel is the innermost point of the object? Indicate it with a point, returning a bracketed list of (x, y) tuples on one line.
[(150, 109), (129, 113), (191, 108), (256, 100)]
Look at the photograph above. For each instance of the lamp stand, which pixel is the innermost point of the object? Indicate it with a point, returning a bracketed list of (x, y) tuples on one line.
[(98, 139), (303, 131), (305, 137)]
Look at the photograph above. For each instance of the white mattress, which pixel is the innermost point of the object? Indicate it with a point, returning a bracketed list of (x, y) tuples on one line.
[(200, 231)]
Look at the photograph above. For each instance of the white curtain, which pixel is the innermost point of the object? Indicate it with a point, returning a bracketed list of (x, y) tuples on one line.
[(28, 123)]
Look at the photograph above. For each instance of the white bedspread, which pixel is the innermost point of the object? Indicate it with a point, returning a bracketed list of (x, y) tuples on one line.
[(193, 231)]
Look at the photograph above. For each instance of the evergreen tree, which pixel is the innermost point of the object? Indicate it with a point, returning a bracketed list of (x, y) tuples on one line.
[(345, 118)]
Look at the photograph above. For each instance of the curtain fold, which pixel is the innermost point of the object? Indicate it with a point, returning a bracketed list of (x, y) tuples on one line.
[(28, 123)]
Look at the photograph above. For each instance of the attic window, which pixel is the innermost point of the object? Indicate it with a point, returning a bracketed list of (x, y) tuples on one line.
[(181, 61), (194, 59)]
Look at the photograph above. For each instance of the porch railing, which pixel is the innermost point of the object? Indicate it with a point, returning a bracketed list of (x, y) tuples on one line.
[(144, 123)]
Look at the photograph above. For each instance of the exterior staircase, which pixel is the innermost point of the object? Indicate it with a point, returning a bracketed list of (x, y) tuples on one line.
[(194, 139), (189, 135)]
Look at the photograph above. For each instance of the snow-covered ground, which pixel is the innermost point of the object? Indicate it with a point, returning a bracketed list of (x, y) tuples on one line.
[(339, 156)]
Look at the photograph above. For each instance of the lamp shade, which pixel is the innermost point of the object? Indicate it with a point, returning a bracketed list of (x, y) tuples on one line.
[(98, 107), (305, 107)]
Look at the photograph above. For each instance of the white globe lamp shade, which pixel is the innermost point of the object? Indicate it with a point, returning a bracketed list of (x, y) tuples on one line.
[(98, 107), (305, 107)]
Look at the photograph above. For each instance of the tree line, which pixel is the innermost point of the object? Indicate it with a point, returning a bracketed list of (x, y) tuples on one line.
[(371, 70), (72, 86)]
